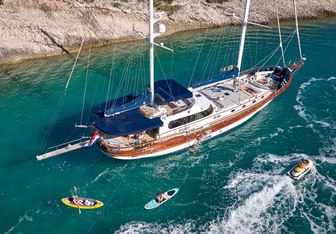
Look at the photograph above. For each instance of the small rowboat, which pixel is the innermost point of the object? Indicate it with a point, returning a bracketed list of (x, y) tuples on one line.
[(300, 169), (82, 203)]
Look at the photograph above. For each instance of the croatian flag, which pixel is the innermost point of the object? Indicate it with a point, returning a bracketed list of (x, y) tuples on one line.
[(94, 139)]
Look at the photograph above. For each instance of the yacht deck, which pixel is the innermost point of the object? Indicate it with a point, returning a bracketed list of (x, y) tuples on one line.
[(224, 96)]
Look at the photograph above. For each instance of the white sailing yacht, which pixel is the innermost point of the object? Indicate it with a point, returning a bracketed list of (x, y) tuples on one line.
[(171, 117)]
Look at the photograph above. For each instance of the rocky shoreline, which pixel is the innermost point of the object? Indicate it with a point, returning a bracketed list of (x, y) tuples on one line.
[(39, 28)]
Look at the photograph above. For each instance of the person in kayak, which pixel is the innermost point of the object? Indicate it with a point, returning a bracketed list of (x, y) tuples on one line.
[(160, 198), (77, 201)]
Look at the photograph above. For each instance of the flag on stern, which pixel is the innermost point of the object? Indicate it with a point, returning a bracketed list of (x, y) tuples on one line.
[(94, 139)]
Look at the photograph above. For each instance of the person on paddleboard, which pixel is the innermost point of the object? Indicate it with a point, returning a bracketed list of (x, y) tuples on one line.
[(160, 198)]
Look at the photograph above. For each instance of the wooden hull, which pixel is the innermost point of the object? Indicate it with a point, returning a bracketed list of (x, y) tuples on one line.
[(172, 144)]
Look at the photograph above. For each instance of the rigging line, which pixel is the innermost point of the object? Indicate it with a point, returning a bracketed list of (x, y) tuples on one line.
[(297, 29), (207, 61), (164, 75), (122, 81), (85, 86), (111, 197), (290, 39), (163, 72), (218, 52), (137, 71), (111, 75), (52, 124), (172, 65), (256, 46), (80, 49), (270, 55), (74, 65), (199, 55), (229, 44), (128, 78), (278, 20), (129, 70)]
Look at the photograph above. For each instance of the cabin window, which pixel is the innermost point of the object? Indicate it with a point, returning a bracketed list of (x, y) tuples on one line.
[(233, 110), (190, 118), (198, 95)]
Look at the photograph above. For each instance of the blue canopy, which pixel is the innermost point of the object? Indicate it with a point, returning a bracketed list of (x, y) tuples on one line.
[(126, 123), (118, 107), (171, 91), (122, 116), (227, 75), (168, 90)]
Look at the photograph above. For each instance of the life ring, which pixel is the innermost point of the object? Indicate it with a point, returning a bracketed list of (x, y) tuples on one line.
[(252, 78)]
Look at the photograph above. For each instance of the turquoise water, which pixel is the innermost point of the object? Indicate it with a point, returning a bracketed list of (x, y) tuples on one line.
[(235, 183)]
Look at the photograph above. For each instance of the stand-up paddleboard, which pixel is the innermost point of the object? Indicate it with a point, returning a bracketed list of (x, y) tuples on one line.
[(82, 203), (167, 195)]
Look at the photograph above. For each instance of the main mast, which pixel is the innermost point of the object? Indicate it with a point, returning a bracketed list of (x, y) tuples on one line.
[(243, 33), (151, 50)]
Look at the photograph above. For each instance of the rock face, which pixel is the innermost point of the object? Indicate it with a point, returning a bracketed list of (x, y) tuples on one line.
[(36, 28)]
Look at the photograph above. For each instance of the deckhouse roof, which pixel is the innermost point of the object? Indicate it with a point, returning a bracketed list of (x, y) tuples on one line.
[(126, 123), (123, 116)]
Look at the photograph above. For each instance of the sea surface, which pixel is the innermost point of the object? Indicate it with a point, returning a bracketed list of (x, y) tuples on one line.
[(235, 183)]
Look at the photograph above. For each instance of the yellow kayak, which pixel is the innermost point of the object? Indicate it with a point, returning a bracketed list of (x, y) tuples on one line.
[(82, 202)]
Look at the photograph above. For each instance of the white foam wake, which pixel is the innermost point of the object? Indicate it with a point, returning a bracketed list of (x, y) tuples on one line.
[(265, 198), (21, 219), (305, 95)]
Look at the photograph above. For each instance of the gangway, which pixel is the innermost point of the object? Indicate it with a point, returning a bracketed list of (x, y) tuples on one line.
[(65, 149)]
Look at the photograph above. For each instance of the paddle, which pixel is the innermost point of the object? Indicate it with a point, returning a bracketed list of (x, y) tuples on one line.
[(79, 210)]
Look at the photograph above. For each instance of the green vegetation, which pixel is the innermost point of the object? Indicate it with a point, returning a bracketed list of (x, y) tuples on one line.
[(158, 3), (216, 1), (166, 5), (116, 4), (170, 9)]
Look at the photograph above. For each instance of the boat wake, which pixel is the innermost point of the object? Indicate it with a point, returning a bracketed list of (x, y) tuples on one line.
[(315, 101), (21, 219), (264, 199)]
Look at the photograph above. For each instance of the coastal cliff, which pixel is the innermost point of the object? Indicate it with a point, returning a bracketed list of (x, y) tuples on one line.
[(37, 28)]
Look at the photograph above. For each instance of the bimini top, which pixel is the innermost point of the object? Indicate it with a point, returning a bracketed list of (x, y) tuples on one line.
[(171, 91), (122, 116), (167, 90), (126, 123)]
